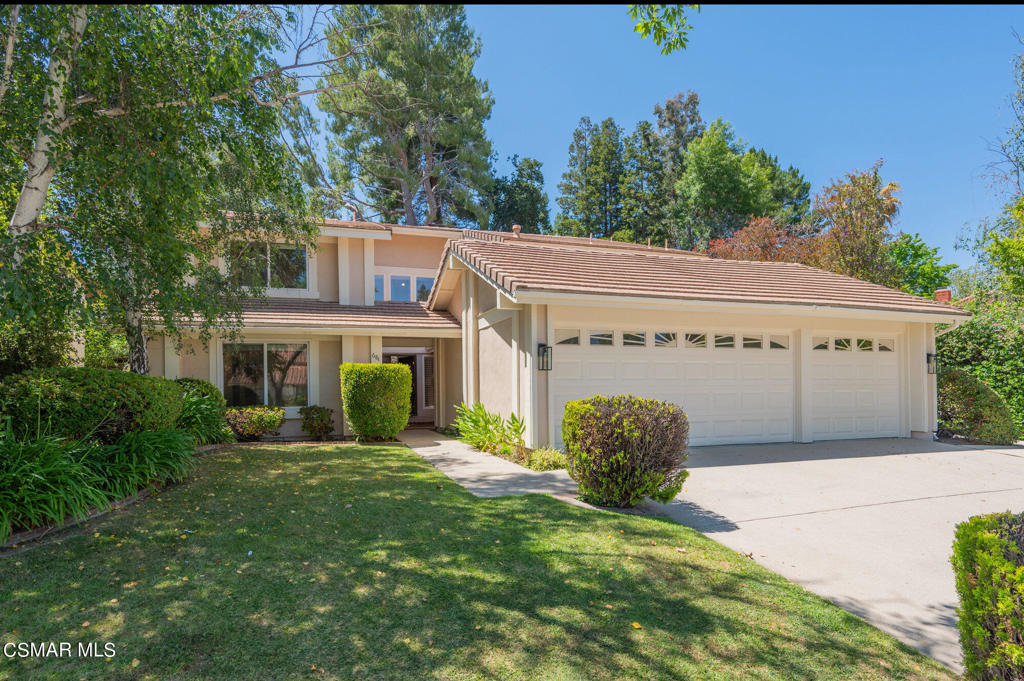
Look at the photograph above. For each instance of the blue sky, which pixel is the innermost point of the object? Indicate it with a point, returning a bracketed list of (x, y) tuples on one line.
[(827, 89)]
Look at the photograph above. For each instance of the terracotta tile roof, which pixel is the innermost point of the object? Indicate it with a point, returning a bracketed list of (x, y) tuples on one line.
[(319, 313), (517, 266)]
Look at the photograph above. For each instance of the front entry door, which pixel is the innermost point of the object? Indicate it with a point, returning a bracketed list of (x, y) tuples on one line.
[(421, 364)]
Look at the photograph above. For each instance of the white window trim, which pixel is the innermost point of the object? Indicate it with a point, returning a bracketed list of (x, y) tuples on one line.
[(312, 287), (411, 272), (312, 369)]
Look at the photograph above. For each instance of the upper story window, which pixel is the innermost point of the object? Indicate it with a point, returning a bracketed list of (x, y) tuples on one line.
[(274, 265), (402, 285)]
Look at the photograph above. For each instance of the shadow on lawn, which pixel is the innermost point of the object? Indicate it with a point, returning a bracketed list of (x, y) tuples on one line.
[(367, 563)]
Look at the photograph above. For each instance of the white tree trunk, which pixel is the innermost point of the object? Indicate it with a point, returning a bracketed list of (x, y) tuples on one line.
[(138, 353), (52, 123)]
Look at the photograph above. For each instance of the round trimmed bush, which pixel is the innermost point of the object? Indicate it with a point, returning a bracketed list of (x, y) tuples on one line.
[(623, 448), (251, 423), (988, 562), (86, 402), (317, 421), (376, 398), (205, 388), (970, 408)]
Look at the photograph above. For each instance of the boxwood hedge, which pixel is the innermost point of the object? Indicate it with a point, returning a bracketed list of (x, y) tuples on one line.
[(86, 402), (969, 408), (376, 398)]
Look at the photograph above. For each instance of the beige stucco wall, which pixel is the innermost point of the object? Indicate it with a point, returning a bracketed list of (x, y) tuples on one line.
[(327, 269), (155, 351), (455, 306), (194, 360), (498, 389), (404, 250), (330, 382), (356, 271), (451, 349)]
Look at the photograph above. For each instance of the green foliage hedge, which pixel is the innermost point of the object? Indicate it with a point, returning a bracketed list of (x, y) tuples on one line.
[(991, 347), (202, 412), (969, 408), (317, 421), (251, 423), (376, 398), (988, 561), (85, 402), (547, 459), (623, 448), (46, 479)]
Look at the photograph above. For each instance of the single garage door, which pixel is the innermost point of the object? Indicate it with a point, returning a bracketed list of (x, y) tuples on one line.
[(735, 386), (855, 386)]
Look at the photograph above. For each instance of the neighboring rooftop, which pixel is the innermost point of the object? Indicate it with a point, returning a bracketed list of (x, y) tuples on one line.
[(517, 265)]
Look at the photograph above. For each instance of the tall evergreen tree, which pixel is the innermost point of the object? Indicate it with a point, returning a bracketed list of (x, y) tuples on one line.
[(520, 198), (643, 189), (788, 188), (679, 122), (590, 200), (408, 141)]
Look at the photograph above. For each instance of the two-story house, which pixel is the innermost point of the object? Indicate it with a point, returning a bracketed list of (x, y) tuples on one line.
[(753, 351)]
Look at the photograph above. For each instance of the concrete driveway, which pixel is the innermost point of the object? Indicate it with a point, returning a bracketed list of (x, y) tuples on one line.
[(868, 524)]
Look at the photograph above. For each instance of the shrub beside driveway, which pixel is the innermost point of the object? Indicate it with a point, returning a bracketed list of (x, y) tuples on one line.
[(345, 561)]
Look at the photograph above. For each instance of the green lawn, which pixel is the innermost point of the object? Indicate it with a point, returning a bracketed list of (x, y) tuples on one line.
[(366, 563)]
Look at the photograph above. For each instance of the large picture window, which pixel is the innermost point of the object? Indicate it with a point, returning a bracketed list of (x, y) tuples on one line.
[(267, 265), (275, 374)]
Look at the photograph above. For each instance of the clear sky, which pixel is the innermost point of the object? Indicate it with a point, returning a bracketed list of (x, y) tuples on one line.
[(826, 89)]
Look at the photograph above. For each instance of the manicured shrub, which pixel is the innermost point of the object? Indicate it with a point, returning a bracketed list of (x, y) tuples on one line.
[(623, 448), (251, 423), (142, 459), (990, 346), (203, 387), (202, 412), (969, 408), (317, 421), (376, 399), (43, 480), (547, 459), (84, 402), (988, 562)]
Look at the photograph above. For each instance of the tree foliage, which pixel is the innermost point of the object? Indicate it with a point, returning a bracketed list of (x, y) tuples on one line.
[(407, 139), (127, 131), (590, 200), (766, 239), (667, 25), (918, 267), (520, 198)]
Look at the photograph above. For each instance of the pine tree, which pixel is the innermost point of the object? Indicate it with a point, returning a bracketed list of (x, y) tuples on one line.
[(520, 198), (590, 200)]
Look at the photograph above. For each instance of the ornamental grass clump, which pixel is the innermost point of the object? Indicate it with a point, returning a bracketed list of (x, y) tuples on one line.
[(202, 412), (988, 562), (623, 448)]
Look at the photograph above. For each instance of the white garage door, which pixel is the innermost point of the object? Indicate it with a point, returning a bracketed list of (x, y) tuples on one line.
[(734, 386), (855, 387)]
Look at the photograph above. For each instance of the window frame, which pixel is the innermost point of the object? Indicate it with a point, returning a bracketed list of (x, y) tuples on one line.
[(312, 367), (311, 289), (413, 273)]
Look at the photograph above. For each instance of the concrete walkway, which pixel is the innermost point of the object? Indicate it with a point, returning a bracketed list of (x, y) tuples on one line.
[(483, 474)]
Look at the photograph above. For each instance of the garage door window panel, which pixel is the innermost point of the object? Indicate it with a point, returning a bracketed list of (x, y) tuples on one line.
[(842, 344), (696, 340), (634, 339), (820, 343), (602, 338), (886, 344), (567, 336), (753, 342), (665, 339), (725, 340), (778, 342), (865, 345)]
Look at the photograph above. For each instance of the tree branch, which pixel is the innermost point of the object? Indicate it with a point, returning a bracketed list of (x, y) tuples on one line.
[(5, 79)]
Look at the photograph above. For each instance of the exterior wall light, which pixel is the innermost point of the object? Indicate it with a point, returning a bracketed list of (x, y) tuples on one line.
[(543, 357), (933, 363)]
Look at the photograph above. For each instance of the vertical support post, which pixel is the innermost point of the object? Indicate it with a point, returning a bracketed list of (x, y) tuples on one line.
[(803, 404), (344, 280), (171, 360), (368, 271), (376, 349)]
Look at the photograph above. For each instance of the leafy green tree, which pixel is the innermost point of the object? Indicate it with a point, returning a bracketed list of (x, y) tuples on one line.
[(127, 132), (790, 192), (520, 198), (720, 186), (919, 270), (590, 201), (975, 281), (642, 189), (1003, 247), (407, 139), (679, 123), (667, 25), (858, 213)]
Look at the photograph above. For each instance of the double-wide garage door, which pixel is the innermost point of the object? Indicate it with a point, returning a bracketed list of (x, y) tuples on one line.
[(735, 386)]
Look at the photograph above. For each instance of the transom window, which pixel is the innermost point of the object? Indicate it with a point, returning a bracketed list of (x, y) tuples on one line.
[(275, 374), (567, 336), (266, 265), (665, 339), (634, 338)]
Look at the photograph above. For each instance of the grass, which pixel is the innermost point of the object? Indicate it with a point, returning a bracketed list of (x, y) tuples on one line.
[(356, 562)]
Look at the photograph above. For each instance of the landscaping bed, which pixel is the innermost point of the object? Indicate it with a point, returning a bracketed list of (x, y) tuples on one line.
[(348, 561)]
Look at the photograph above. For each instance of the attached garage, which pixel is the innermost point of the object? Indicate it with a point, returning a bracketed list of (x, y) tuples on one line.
[(736, 385)]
